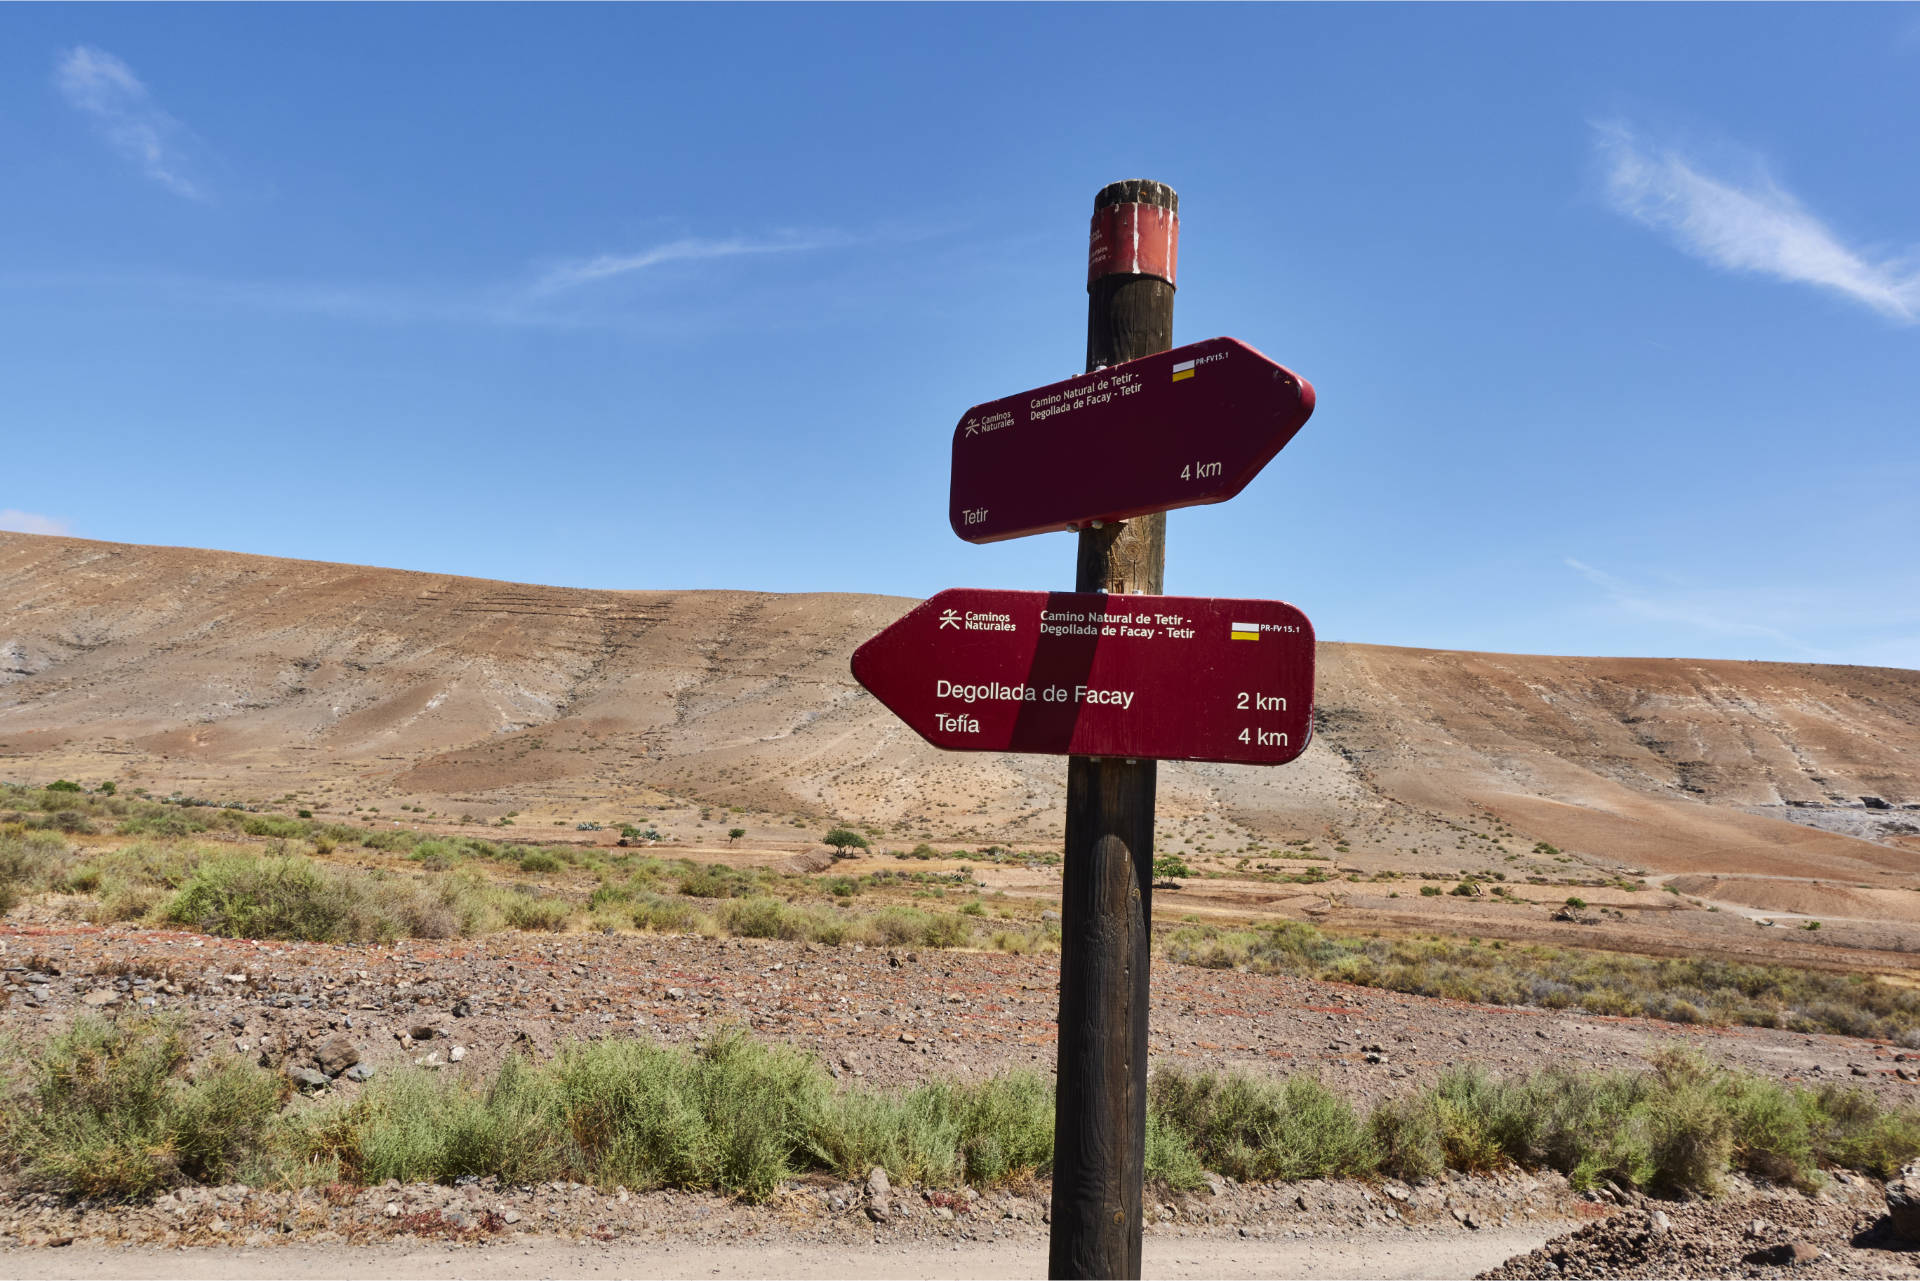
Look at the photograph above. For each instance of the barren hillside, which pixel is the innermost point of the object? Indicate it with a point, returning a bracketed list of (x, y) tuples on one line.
[(258, 679)]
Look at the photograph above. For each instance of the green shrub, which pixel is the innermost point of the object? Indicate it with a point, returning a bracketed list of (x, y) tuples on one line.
[(539, 861), (901, 926), (413, 1126), (1257, 1129), (1406, 1138), (532, 912), (763, 918), (291, 897), (243, 896), (109, 1113), (1430, 891), (1848, 1128), (663, 915), (1170, 1159), (30, 861), (279, 828), (713, 880)]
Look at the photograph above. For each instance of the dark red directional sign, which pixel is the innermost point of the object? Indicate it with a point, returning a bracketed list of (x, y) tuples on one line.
[(1188, 426), (1087, 674)]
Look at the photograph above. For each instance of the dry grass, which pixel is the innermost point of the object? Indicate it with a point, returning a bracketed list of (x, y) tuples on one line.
[(1692, 990)]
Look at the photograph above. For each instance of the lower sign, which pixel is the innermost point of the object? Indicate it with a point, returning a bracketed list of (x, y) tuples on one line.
[(1087, 674)]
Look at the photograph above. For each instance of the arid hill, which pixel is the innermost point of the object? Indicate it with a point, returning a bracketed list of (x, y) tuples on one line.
[(253, 678)]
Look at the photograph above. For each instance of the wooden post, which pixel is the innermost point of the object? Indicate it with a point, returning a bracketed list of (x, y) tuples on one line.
[(1100, 1103)]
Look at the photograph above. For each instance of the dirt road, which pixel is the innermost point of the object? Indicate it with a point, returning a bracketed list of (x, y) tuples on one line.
[(1389, 1253)]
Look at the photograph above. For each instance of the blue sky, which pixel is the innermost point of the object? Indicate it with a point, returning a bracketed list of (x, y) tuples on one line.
[(1613, 312)]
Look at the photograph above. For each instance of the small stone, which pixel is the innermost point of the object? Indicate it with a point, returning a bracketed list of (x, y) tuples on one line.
[(462, 1008), (906, 1038), (676, 994), (336, 1055), (1903, 1203), (360, 1072), (393, 1210), (306, 1078), (509, 1216), (878, 1185), (1786, 1254), (421, 1033), (101, 997), (1659, 1224), (1757, 1229), (457, 1053), (54, 1243), (217, 1224)]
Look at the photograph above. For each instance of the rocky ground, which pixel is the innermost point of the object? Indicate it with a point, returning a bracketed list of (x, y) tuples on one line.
[(333, 1016), (887, 1017), (1842, 1233)]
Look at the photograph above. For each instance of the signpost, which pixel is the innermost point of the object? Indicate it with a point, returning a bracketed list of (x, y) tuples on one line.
[(1112, 673), (1157, 677), (1185, 427)]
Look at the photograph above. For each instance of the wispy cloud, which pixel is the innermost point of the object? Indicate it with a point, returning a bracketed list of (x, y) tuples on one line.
[(103, 88), (1756, 225), (1640, 603), (585, 271), (544, 296), (19, 522)]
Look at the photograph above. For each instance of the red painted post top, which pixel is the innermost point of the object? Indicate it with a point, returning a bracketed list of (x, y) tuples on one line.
[(1090, 674), (1133, 240)]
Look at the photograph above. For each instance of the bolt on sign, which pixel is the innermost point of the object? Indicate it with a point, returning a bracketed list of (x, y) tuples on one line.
[(1090, 674), (1185, 427)]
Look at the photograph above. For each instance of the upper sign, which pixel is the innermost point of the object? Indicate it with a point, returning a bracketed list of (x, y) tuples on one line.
[(1088, 674), (1188, 426)]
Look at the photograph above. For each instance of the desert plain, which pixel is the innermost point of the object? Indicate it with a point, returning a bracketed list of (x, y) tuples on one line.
[(1526, 864)]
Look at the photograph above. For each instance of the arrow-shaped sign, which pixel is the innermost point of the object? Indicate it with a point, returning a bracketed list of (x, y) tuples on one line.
[(1186, 427), (1091, 674)]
